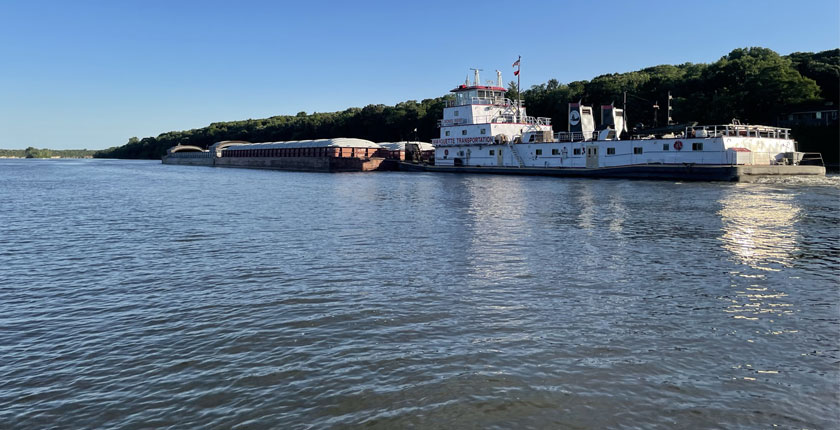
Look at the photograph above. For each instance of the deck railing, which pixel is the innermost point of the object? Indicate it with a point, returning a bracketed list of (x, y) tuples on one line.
[(737, 130), (496, 119), (573, 136), (485, 101)]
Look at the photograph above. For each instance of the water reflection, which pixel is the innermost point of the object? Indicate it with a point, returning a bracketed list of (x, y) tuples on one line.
[(618, 212), (754, 302), (760, 227), (759, 231), (586, 201), (498, 226)]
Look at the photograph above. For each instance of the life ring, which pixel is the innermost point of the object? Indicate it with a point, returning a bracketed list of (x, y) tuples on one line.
[(445, 152), (678, 145)]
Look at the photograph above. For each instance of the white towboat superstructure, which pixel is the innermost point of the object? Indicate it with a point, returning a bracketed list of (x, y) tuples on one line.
[(482, 131)]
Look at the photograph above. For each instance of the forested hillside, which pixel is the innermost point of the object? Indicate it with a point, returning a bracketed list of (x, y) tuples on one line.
[(754, 85)]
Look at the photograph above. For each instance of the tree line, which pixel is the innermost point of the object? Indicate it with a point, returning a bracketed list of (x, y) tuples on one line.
[(754, 85), (32, 152)]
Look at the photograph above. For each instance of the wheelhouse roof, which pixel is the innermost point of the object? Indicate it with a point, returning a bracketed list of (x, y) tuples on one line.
[(476, 87)]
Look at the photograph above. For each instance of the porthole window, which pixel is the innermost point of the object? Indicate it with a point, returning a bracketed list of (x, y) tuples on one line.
[(492, 152), (483, 131), (610, 151), (463, 132), (447, 132), (637, 150), (697, 146), (555, 151), (539, 152), (666, 147)]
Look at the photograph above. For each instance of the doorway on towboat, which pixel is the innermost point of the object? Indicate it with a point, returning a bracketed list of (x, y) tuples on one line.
[(591, 156)]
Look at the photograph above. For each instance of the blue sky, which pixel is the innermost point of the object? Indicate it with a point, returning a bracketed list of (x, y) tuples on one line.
[(91, 74)]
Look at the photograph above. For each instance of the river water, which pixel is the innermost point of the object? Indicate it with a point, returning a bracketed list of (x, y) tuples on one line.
[(138, 295)]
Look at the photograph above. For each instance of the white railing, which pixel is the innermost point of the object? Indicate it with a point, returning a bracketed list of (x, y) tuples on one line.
[(451, 122), (484, 101), (538, 120), (508, 118), (573, 136), (495, 119), (737, 130), (515, 154)]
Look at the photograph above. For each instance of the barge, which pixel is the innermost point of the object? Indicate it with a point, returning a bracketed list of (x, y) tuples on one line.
[(482, 131), (323, 155)]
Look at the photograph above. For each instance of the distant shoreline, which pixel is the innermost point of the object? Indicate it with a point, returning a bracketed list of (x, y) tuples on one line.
[(46, 153)]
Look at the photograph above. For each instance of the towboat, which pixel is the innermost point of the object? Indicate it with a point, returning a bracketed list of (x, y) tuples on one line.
[(483, 131)]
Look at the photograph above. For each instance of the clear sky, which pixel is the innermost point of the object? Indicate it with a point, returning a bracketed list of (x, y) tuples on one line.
[(91, 74)]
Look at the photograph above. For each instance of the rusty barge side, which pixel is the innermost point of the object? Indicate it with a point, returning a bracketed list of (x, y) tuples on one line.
[(324, 155)]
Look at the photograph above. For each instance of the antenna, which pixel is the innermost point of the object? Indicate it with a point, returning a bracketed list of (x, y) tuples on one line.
[(670, 109), (624, 110), (477, 79), (655, 111)]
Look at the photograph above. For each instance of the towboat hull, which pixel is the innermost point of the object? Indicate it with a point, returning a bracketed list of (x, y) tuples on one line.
[(686, 172)]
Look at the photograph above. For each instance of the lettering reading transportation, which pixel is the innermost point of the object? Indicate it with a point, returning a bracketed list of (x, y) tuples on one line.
[(462, 140)]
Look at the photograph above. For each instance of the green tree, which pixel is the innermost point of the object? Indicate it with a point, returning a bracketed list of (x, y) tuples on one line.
[(823, 68), (752, 84), (32, 152), (513, 90)]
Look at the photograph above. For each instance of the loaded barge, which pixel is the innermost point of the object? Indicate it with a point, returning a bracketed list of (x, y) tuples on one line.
[(482, 131), (324, 155)]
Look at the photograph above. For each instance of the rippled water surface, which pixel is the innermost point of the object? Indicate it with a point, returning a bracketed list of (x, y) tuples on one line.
[(137, 295)]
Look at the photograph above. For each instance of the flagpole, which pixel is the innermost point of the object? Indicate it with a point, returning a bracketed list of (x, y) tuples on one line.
[(518, 89)]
